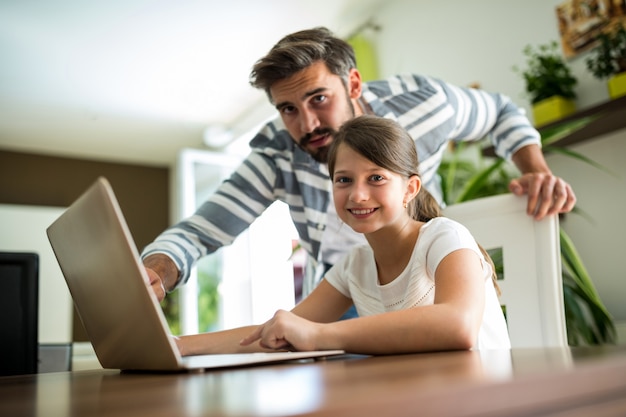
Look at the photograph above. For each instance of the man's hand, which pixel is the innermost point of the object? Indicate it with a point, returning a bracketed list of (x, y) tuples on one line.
[(157, 285), (162, 274), (547, 194)]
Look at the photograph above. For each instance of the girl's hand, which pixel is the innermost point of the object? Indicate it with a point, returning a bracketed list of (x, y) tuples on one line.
[(286, 331)]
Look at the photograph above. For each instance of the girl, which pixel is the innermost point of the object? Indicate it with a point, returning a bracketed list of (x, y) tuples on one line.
[(422, 283)]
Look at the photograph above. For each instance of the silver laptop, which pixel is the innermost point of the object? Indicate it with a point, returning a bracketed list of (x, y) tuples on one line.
[(108, 283)]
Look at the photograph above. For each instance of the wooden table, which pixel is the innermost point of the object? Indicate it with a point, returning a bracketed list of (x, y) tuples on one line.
[(527, 382)]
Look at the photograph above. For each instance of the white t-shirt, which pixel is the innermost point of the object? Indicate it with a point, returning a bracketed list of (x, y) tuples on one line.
[(355, 277)]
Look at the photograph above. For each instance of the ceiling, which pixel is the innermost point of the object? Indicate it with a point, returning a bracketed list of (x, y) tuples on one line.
[(137, 80)]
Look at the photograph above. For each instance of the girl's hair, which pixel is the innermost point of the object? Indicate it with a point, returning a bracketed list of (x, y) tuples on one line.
[(389, 145), (300, 50)]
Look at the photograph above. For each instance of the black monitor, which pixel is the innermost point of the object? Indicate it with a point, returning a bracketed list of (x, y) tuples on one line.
[(19, 288)]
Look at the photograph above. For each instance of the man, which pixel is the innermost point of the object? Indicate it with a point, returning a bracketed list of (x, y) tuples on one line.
[(311, 78)]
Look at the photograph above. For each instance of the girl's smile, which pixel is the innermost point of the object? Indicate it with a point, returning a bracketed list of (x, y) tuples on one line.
[(362, 213)]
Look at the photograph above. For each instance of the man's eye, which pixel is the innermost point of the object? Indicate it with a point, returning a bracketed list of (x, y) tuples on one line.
[(287, 109), (319, 99)]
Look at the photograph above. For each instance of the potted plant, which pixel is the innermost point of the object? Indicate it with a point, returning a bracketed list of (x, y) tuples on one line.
[(549, 83), (608, 60)]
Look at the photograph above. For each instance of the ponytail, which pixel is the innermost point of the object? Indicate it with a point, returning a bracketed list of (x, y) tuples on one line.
[(424, 208)]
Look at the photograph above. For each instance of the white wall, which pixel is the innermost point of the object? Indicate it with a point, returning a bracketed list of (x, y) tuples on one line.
[(480, 41), (463, 41), (23, 229)]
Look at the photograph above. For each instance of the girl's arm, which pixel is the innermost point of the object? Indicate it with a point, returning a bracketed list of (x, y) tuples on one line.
[(452, 322), (324, 304), (302, 328), (225, 341)]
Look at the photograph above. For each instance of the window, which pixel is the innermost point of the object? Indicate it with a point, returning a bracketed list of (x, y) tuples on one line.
[(240, 284)]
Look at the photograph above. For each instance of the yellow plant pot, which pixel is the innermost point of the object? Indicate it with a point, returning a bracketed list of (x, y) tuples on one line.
[(617, 85), (552, 109)]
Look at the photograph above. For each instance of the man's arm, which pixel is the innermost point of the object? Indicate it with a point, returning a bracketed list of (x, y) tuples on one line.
[(230, 210), (514, 137), (547, 193)]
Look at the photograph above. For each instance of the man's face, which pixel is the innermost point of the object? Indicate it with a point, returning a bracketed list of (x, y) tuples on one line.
[(313, 104)]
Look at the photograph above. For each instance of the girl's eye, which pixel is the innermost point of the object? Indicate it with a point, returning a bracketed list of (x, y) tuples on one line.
[(342, 180), (377, 178)]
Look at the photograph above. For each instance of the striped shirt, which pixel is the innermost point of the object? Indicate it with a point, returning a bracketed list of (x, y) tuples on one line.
[(432, 111)]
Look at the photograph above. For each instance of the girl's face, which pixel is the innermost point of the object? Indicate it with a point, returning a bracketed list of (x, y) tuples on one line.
[(367, 197)]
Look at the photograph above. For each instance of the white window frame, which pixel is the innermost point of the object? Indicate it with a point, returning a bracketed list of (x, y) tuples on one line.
[(257, 269)]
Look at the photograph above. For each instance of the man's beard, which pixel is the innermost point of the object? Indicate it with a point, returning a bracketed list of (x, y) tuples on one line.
[(321, 153)]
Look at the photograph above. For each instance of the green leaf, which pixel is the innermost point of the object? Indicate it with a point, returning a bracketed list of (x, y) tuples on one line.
[(601, 322), (553, 134), (479, 181), (575, 318), (572, 260), (580, 157)]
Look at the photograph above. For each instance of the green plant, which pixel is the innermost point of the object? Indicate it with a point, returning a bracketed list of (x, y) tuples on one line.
[(546, 74), (208, 273), (609, 57), (467, 175)]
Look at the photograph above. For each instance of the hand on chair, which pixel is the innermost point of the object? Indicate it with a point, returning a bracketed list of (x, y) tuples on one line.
[(547, 194)]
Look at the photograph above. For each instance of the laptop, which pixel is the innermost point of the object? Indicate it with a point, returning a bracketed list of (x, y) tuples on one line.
[(109, 286)]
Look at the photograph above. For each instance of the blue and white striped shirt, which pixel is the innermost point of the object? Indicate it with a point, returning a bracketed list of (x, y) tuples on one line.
[(432, 111)]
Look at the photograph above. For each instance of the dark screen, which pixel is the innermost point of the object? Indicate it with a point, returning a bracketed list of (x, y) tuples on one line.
[(19, 276)]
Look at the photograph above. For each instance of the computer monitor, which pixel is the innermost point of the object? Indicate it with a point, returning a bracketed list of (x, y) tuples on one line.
[(19, 288)]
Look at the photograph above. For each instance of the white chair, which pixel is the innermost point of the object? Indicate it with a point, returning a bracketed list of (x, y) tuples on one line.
[(532, 287)]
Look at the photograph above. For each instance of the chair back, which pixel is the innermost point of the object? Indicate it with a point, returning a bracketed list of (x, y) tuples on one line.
[(532, 284)]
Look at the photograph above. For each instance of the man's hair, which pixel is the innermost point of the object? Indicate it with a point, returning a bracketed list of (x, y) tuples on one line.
[(300, 50)]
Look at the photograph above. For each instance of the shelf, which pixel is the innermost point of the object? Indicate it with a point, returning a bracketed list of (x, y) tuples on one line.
[(610, 116)]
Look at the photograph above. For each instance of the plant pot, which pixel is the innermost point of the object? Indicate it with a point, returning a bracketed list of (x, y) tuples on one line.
[(617, 85), (552, 109)]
